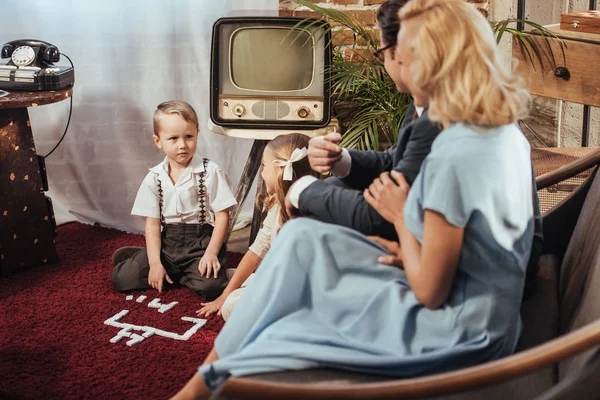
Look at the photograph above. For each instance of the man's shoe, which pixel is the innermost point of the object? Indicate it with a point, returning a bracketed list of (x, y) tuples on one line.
[(124, 253)]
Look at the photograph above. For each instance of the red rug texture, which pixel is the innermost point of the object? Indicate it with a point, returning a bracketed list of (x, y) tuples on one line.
[(53, 340)]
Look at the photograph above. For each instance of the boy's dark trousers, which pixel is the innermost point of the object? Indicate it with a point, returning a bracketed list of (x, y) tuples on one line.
[(182, 247)]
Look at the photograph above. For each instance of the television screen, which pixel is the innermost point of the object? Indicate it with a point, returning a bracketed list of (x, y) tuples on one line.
[(270, 72), (272, 59)]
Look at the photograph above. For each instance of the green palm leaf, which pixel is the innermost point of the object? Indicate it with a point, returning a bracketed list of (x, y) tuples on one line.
[(531, 50), (365, 98)]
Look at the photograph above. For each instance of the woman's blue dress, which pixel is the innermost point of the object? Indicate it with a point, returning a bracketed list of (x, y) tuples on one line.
[(320, 298)]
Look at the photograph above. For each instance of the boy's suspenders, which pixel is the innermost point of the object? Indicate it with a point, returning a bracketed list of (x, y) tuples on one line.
[(202, 194), (160, 203), (201, 197)]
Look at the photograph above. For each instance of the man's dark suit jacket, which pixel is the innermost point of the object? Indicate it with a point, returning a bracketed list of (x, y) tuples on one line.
[(346, 206), (342, 203)]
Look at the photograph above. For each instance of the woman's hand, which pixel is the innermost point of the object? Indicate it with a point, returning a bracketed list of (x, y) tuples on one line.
[(209, 264), (212, 307), (395, 258), (388, 197)]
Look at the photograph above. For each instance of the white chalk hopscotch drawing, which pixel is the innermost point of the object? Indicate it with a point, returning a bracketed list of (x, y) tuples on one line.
[(127, 330)]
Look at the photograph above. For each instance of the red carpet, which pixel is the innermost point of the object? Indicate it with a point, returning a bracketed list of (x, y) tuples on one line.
[(53, 340)]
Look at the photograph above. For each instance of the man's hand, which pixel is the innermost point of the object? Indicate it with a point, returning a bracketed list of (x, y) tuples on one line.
[(323, 152), (156, 277), (393, 247)]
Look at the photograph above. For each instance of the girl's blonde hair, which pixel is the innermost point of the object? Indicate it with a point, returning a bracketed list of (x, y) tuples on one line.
[(282, 148), (458, 65), (175, 107)]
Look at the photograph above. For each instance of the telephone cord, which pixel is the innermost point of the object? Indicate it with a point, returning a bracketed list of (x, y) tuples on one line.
[(70, 112)]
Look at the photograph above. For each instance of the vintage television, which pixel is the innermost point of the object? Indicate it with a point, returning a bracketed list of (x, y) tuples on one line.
[(264, 75)]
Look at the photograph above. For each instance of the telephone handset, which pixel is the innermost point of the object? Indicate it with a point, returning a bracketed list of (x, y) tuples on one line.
[(31, 66), (27, 52)]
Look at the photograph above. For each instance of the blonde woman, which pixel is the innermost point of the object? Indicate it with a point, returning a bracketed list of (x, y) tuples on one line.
[(465, 229)]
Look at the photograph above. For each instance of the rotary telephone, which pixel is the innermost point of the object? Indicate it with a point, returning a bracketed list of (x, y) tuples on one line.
[(31, 67)]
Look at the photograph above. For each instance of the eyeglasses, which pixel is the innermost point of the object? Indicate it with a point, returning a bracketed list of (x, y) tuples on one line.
[(379, 52)]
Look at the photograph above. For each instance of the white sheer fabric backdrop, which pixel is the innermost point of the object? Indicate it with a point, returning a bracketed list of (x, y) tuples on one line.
[(129, 56)]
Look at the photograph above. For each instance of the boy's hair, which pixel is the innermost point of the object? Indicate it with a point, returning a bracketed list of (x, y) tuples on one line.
[(282, 148), (457, 63), (175, 107)]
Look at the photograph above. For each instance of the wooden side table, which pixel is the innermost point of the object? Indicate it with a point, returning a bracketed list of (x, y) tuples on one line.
[(26, 215)]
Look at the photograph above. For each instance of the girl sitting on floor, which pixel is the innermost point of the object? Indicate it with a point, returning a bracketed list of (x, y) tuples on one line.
[(284, 161)]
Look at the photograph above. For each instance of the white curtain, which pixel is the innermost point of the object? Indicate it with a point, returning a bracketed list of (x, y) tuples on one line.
[(129, 56)]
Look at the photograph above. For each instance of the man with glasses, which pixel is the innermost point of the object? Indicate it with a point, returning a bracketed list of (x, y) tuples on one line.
[(339, 199)]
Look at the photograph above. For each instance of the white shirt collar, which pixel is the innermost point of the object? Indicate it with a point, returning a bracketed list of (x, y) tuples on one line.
[(195, 166), (419, 110)]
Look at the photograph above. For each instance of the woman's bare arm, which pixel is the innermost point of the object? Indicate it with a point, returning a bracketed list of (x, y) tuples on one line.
[(430, 267)]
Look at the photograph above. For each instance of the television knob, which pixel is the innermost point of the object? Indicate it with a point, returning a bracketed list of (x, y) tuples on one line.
[(303, 112), (239, 110)]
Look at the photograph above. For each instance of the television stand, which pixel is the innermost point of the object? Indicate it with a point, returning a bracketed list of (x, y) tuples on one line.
[(261, 138)]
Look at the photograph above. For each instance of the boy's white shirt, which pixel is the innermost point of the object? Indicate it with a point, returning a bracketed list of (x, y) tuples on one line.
[(180, 200)]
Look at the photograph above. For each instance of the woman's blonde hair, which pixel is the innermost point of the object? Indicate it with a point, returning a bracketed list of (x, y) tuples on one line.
[(458, 65), (175, 107), (282, 148)]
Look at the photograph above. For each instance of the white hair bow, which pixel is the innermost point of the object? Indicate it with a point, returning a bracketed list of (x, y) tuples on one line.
[(288, 171)]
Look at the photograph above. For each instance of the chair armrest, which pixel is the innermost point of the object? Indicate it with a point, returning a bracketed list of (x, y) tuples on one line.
[(486, 374), (569, 170)]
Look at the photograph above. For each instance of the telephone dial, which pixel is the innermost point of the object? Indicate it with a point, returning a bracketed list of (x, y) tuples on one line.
[(31, 67)]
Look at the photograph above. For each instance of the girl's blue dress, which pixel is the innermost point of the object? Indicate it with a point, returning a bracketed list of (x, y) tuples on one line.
[(320, 298)]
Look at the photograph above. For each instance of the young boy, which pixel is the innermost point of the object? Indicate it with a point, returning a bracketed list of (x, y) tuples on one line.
[(187, 196)]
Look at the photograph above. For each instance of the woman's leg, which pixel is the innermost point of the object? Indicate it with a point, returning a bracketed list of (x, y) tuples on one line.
[(211, 357), (195, 388), (316, 292)]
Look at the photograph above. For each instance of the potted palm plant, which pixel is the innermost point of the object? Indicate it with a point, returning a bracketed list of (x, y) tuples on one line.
[(364, 97)]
